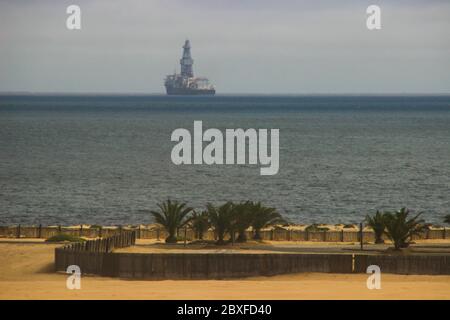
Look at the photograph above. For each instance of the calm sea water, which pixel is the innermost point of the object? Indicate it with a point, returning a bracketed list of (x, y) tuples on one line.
[(106, 159)]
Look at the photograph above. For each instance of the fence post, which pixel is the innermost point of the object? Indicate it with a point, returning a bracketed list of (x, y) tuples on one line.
[(443, 233), (18, 231), (324, 235), (271, 234), (361, 235), (40, 231), (81, 230), (342, 235), (59, 228), (100, 232), (139, 232), (157, 234)]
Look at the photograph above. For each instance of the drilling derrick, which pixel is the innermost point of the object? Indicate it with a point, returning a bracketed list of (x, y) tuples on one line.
[(186, 61), (185, 83)]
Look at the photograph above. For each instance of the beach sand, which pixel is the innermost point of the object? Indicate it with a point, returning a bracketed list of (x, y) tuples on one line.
[(26, 272)]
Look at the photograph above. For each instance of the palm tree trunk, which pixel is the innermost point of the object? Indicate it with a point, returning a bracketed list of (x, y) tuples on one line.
[(378, 238), (242, 237), (257, 235), (220, 235), (172, 238)]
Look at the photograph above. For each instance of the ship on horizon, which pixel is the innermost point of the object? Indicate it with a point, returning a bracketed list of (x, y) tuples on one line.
[(185, 83)]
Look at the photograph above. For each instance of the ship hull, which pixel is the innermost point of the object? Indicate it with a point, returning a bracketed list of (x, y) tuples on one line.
[(189, 92)]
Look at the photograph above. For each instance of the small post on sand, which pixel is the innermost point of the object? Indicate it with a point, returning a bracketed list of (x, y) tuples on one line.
[(40, 231), (361, 235), (18, 231)]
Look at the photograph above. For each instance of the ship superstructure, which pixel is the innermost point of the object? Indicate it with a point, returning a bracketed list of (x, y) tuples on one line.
[(185, 83)]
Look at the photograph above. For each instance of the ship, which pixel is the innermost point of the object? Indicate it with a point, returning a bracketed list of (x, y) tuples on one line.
[(184, 83)]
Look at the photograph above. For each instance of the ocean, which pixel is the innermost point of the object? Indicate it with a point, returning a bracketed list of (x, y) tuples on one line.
[(98, 159)]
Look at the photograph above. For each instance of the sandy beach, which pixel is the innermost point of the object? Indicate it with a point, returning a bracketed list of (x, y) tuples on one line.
[(26, 272)]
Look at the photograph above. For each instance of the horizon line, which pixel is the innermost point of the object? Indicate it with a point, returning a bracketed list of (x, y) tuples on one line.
[(37, 93)]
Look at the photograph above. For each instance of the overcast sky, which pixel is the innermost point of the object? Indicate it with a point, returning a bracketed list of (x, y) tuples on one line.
[(254, 46)]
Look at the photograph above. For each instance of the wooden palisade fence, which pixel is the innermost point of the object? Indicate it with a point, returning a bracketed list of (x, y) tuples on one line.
[(122, 240), (275, 234)]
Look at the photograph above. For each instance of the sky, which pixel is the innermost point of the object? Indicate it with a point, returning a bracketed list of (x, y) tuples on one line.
[(246, 46)]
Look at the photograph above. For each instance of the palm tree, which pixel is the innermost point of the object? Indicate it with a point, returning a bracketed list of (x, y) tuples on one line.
[(199, 223), (221, 219), (447, 219), (400, 230), (172, 216), (263, 217), (376, 222), (243, 217)]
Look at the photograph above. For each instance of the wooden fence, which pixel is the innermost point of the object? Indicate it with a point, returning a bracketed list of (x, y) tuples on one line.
[(231, 265), (199, 265), (276, 234), (122, 240), (435, 264), (89, 255), (97, 257)]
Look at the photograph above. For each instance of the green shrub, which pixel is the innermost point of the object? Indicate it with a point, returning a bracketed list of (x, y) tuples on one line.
[(64, 237)]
